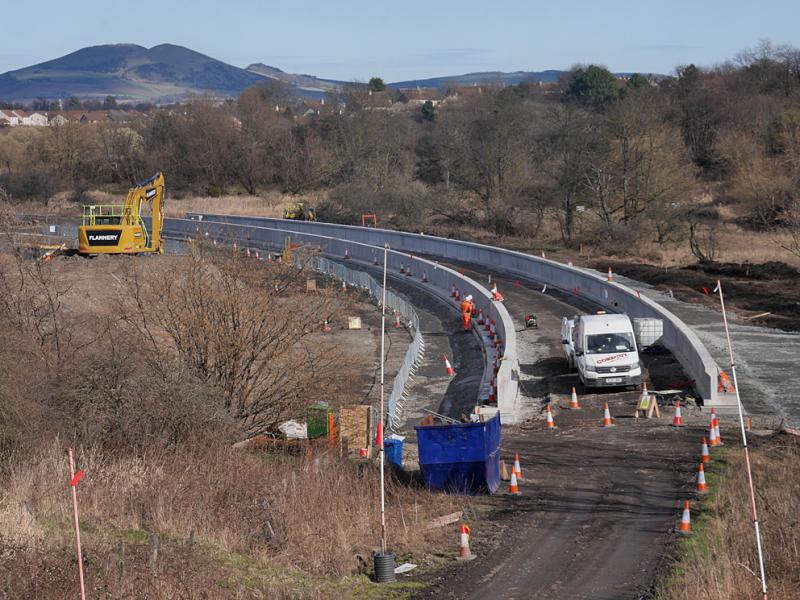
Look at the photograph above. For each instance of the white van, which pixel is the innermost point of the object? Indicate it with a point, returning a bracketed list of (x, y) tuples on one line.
[(603, 349)]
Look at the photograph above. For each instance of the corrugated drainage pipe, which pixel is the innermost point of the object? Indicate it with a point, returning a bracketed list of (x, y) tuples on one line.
[(384, 567)]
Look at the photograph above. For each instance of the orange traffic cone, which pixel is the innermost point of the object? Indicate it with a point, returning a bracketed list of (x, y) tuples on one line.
[(463, 546), (346, 254), (269, 257), (685, 525), (248, 253), (513, 486), (748, 424), (551, 424), (717, 431), (516, 466), (712, 434), (573, 402), (344, 285), (424, 277), (402, 268), (397, 322), (610, 274), (677, 421), (452, 290), (705, 456), (450, 370), (701, 487), (607, 422)]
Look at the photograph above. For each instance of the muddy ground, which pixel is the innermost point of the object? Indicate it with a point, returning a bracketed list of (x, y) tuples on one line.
[(597, 507), (750, 289), (596, 513)]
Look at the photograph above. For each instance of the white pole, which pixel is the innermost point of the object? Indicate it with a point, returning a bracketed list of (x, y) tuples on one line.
[(744, 445), (381, 422), (75, 521)]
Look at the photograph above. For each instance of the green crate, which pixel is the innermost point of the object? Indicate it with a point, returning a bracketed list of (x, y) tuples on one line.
[(318, 419)]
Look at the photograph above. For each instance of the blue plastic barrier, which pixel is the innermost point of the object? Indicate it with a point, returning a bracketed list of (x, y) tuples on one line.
[(394, 451)]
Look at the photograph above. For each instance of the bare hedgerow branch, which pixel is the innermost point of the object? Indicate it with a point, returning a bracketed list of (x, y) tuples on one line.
[(251, 331)]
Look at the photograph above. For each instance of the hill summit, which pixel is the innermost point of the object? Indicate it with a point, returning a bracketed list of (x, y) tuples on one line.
[(129, 72)]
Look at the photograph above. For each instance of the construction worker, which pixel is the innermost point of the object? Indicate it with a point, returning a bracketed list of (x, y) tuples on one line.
[(725, 384), (496, 295), (466, 311)]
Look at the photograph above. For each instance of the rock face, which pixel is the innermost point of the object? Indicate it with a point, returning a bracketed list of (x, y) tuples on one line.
[(129, 72)]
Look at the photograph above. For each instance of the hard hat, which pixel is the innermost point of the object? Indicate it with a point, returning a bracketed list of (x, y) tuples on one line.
[(469, 298)]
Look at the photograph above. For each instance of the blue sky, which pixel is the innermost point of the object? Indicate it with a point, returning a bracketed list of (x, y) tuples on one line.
[(353, 40)]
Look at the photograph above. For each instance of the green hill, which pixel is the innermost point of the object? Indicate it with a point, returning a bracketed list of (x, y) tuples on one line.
[(129, 72)]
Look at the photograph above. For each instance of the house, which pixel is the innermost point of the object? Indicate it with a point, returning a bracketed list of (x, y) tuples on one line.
[(18, 117), (377, 100), (461, 91), (420, 95), (370, 100), (312, 107), (94, 116), (124, 116), (59, 119), (8, 118), (37, 119)]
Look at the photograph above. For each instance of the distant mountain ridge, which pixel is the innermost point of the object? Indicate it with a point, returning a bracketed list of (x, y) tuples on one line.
[(127, 71), (308, 83), (482, 78), (169, 73)]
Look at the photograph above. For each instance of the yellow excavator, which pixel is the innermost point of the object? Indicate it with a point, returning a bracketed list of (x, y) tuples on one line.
[(298, 211), (119, 228)]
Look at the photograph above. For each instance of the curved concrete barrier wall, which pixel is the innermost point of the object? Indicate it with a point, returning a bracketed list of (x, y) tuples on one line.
[(678, 337), (271, 235)]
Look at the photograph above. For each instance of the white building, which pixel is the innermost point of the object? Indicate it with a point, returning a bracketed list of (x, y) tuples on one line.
[(18, 117)]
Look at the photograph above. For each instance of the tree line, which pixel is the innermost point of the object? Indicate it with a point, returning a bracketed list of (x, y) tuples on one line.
[(617, 160)]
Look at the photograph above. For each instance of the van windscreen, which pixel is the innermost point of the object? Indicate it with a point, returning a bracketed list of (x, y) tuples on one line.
[(608, 343)]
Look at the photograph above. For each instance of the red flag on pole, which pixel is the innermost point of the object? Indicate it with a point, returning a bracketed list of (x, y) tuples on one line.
[(78, 476)]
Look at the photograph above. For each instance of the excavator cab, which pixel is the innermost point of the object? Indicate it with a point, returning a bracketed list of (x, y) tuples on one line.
[(120, 228)]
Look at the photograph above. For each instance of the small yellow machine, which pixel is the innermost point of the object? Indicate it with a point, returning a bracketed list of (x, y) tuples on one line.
[(119, 228), (298, 211)]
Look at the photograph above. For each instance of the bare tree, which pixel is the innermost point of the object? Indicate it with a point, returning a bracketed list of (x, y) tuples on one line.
[(242, 330)]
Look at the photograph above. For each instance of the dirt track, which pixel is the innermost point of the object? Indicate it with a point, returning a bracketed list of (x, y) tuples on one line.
[(595, 513), (597, 505)]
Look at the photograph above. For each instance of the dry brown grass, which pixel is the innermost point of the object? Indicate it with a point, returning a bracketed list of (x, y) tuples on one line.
[(719, 561), (315, 516), (155, 440), (269, 204)]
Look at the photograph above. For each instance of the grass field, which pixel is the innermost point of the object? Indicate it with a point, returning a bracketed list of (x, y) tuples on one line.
[(719, 560)]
